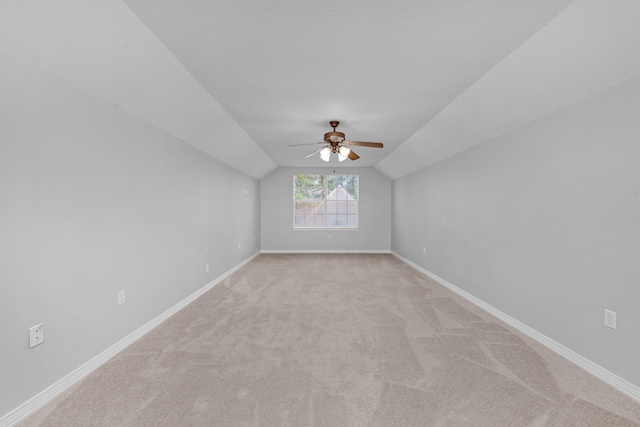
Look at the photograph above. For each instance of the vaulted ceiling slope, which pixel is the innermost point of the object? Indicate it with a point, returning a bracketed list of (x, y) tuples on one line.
[(241, 80)]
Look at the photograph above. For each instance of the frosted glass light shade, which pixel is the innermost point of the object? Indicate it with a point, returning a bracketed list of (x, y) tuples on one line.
[(325, 154), (343, 153)]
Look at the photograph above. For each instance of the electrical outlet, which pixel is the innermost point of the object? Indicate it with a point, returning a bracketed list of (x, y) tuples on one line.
[(206, 268), (36, 335), (120, 297), (610, 319), (424, 249)]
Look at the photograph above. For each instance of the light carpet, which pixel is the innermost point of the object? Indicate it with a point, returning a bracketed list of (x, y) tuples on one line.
[(336, 340)]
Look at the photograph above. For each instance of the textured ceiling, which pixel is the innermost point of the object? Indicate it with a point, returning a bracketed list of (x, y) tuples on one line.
[(242, 80)]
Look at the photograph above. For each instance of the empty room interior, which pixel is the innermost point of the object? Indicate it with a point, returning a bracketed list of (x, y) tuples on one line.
[(320, 213)]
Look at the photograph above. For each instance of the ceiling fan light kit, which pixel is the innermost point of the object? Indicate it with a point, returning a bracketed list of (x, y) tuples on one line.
[(336, 143), (343, 153), (325, 154)]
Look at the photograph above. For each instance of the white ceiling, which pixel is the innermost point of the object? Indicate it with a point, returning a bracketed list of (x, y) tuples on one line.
[(242, 80)]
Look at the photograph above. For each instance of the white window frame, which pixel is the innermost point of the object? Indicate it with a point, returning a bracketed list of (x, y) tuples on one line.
[(325, 201)]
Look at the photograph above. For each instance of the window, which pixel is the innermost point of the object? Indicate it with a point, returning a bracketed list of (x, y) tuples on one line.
[(325, 201)]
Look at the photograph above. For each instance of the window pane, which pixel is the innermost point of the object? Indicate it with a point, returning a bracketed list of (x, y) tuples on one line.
[(306, 208), (332, 182), (341, 194), (338, 193), (325, 200), (309, 194), (353, 193), (309, 181), (309, 187), (342, 207)]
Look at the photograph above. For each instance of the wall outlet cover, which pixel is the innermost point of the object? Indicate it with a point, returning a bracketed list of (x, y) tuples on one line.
[(610, 319), (36, 335)]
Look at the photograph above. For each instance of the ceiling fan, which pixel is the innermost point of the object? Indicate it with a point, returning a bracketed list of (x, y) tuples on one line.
[(335, 143)]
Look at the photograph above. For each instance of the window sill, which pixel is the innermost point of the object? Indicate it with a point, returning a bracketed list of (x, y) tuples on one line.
[(325, 228)]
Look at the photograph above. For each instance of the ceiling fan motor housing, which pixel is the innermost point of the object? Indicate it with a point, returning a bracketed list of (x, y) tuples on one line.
[(336, 137)]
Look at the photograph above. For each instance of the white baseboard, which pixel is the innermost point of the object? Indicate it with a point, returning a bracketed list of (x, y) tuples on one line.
[(42, 398), (51, 392), (598, 371), (324, 251)]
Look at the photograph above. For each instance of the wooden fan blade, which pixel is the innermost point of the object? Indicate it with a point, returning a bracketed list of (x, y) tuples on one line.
[(311, 143), (353, 156), (365, 144), (317, 151)]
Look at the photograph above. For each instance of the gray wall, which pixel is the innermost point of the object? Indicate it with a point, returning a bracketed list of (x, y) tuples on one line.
[(374, 233), (543, 223), (92, 201)]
